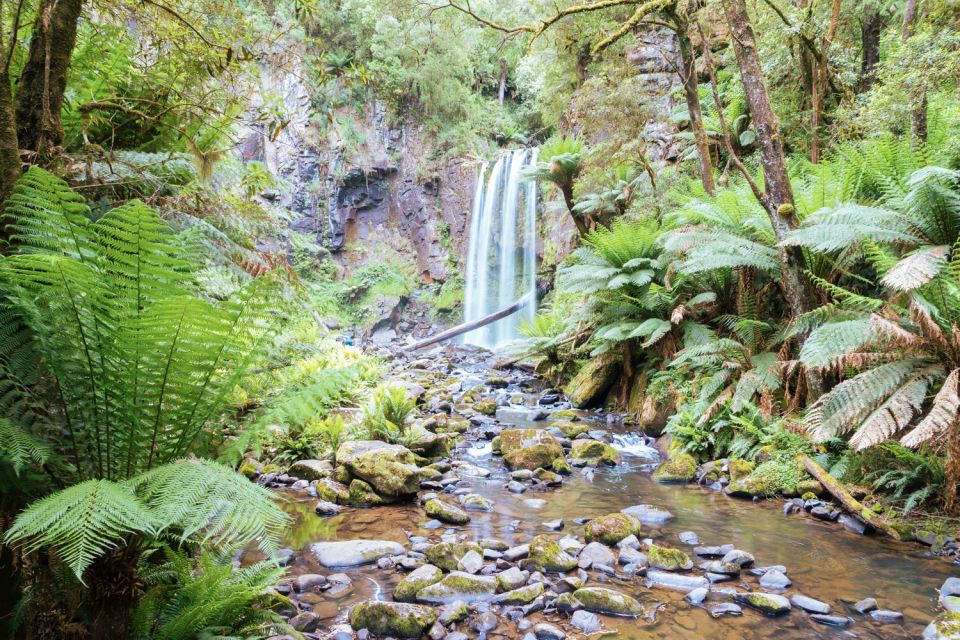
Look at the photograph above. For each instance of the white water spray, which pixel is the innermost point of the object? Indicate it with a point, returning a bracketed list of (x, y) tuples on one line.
[(501, 259)]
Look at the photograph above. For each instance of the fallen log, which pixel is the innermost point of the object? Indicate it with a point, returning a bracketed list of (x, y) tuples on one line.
[(465, 327), (850, 503)]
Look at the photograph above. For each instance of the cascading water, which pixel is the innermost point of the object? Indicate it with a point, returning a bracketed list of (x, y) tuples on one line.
[(501, 259)]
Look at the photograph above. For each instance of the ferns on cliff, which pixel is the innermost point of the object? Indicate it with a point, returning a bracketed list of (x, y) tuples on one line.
[(134, 367)]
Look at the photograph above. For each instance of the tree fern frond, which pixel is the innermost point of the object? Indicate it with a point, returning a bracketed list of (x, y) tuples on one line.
[(942, 415), (847, 224), (20, 448), (209, 502), (82, 522), (916, 269), (834, 339), (893, 415)]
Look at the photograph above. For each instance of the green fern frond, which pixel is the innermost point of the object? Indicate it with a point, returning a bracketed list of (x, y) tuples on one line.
[(207, 502), (21, 449), (82, 522)]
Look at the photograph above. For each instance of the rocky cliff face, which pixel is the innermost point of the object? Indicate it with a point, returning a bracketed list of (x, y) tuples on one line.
[(365, 193)]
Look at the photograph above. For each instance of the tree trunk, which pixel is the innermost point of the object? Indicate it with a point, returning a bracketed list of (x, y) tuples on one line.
[(870, 30), (691, 91), (567, 191), (952, 471), (778, 196), (9, 147), (43, 80), (918, 115), (820, 82), (851, 504)]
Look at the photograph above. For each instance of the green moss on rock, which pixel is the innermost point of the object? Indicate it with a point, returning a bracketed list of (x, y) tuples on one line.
[(571, 429), (668, 559), (611, 529), (594, 450), (393, 618), (740, 469), (528, 448), (769, 479), (333, 491), (446, 555), (561, 465), (590, 385), (608, 601), (487, 406), (546, 555), (363, 495), (407, 589), (444, 512), (681, 468)]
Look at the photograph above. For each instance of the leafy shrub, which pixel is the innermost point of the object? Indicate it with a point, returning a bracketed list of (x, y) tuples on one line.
[(385, 416)]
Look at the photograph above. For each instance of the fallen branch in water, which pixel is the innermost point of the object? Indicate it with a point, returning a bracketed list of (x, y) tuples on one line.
[(850, 503)]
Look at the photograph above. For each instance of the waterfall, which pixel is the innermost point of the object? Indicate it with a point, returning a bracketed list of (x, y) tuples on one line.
[(502, 255)]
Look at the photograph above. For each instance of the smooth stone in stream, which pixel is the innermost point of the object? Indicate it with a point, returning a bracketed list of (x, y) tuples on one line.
[(648, 514), (324, 508), (676, 581), (585, 621), (886, 616), (475, 502), (607, 601), (719, 566), (852, 524), (689, 537), (595, 553), (512, 578), (725, 609), (453, 613), (515, 487), (544, 631), (349, 553), (759, 571), (809, 604), (713, 552), (407, 589), (554, 525), (629, 555), (520, 596), (446, 512), (774, 580), (865, 606), (697, 596), (830, 621), (471, 562), (309, 582), (742, 558), (770, 604), (458, 585), (516, 553)]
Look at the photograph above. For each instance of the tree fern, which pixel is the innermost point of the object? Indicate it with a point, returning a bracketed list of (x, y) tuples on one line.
[(20, 449), (82, 522)]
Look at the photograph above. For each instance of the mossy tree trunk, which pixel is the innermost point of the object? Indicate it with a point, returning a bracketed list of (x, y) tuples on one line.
[(778, 196), (43, 80), (9, 146)]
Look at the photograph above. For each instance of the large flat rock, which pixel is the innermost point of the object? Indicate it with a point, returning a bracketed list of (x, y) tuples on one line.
[(351, 553)]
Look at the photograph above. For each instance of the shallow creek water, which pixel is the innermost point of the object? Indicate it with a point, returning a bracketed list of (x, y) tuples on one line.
[(823, 560)]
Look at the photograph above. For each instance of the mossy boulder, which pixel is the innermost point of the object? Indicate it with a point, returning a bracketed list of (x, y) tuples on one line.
[(333, 491), (269, 468), (668, 559), (458, 585), (608, 601), (548, 477), (594, 451), (561, 465), (363, 495), (528, 448), (546, 555), (427, 444), (612, 528), (419, 578), (311, 469), (770, 604), (396, 619), (769, 479), (445, 512), (428, 473), (589, 387), (564, 414), (740, 469), (945, 626), (810, 486), (487, 406), (446, 555), (496, 382), (248, 468), (571, 429), (521, 596), (389, 468), (682, 467)]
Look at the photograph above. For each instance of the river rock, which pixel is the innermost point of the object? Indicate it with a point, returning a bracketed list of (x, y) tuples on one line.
[(546, 555), (611, 529), (697, 596), (725, 609), (648, 514), (407, 589), (594, 452), (458, 585), (324, 508), (774, 580), (350, 553), (676, 581), (453, 613), (770, 604), (865, 606), (887, 616), (519, 596), (742, 558), (309, 582), (445, 512), (830, 621), (332, 491), (668, 559), (544, 631), (946, 626), (475, 502), (719, 566), (516, 553), (512, 578), (585, 622), (447, 555), (809, 604), (681, 468), (471, 562), (528, 448), (594, 554), (362, 494), (392, 618), (389, 468), (311, 469), (607, 601)]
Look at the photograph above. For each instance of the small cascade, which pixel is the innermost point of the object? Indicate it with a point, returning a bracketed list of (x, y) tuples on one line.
[(501, 259)]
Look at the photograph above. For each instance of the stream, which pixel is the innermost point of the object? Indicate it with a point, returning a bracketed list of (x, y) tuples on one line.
[(823, 560)]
